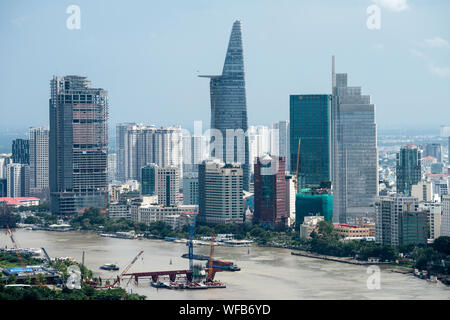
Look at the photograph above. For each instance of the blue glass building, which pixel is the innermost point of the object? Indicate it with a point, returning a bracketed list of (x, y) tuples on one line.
[(229, 106), (310, 121)]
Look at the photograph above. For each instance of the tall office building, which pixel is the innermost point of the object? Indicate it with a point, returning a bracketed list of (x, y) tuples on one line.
[(20, 151), (310, 122), (147, 144), (229, 107), (168, 186), (280, 140), (408, 168), (39, 162), (433, 150), (389, 213), (194, 152), (220, 189), (121, 131), (355, 156), (148, 179), (270, 191), (78, 145), (18, 180)]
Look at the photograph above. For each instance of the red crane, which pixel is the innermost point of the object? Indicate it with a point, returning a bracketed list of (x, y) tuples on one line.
[(210, 262), (119, 277)]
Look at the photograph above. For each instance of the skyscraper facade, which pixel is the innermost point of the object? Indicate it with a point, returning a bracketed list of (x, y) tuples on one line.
[(433, 150), (220, 192), (229, 107), (4, 161), (38, 147), (20, 151), (270, 191), (354, 150), (121, 131), (18, 180), (408, 168), (280, 141), (78, 145), (168, 186), (148, 179), (310, 122)]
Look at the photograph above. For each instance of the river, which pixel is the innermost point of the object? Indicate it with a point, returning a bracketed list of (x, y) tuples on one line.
[(266, 273)]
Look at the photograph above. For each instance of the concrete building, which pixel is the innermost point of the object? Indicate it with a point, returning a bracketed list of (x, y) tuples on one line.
[(190, 189), (18, 180), (194, 152), (78, 145), (270, 191), (423, 191), (433, 150), (5, 159), (355, 155), (413, 227), (290, 199), (354, 231), (119, 211), (445, 221), (168, 186), (221, 192), (121, 131), (434, 215), (38, 153), (174, 216), (389, 212), (309, 224)]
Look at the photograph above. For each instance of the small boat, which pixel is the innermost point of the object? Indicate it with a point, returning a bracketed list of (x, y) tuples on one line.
[(158, 284), (195, 285), (109, 267), (176, 285)]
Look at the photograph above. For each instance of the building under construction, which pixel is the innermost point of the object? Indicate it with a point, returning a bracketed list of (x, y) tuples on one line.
[(78, 145)]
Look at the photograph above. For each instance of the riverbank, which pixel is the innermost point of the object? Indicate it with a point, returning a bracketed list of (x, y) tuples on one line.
[(336, 259)]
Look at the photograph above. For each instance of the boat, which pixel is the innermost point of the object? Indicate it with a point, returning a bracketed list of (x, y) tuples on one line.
[(195, 286), (158, 284), (215, 284), (195, 256), (225, 265), (170, 239), (176, 285), (109, 267)]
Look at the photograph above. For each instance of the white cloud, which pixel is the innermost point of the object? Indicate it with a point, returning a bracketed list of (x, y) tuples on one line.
[(437, 42), (394, 5), (442, 72)]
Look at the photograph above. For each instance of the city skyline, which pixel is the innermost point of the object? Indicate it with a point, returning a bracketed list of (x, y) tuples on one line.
[(147, 95)]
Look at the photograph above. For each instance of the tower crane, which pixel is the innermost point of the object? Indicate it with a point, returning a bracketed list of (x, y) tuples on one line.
[(210, 262)]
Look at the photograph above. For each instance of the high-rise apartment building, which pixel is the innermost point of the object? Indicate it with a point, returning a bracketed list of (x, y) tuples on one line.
[(78, 145), (408, 168), (259, 139), (354, 149), (18, 180), (445, 218), (280, 140), (38, 148), (190, 189), (5, 159), (194, 152), (168, 186), (310, 122), (121, 132), (270, 191), (20, 151), (433, 150), (220, 192), (229, 107), (390, 211), (148, 144), (434, 214)]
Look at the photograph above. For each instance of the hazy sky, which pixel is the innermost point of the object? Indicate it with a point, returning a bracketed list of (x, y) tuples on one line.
[(147, 54)]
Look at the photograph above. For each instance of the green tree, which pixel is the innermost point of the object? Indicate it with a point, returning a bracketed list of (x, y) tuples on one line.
[(442, 245)]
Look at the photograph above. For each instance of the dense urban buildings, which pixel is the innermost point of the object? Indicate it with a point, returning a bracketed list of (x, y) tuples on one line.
[(270, 191), (310, 122), (355, 155), (38, 147), (229, 108), (408, 168), (220, 192), (78, 145), (20, 151)]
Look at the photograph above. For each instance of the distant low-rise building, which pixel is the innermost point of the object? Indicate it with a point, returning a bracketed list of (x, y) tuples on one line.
[(354, 231), (309, 224), (20, 201)]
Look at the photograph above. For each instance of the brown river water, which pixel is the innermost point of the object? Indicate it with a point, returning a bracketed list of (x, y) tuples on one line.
[(266, 273)]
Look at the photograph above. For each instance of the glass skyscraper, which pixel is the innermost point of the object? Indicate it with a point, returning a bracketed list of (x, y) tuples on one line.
[(355, 156), (310, 121), (229, 106), (408, 168)]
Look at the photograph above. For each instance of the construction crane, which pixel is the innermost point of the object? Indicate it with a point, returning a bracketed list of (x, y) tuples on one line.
[(19, 255), (210, 262), (119, 277), (298, 160), (47, 257)]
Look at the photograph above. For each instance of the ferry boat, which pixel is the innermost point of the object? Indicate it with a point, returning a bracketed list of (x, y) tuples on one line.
[(109, 267), (195, 286), (225, 265), (195, 256), (158, 284), (176, 285)]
